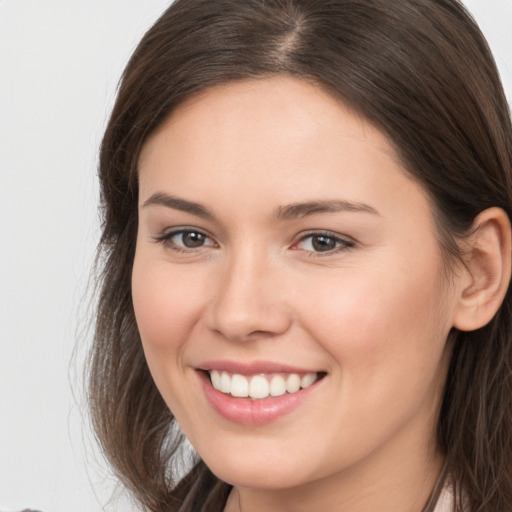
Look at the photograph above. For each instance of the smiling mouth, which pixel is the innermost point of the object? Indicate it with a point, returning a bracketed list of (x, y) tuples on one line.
[(261, 386)]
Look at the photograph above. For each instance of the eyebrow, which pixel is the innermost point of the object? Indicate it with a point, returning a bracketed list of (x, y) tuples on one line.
[(283, 213), (299, 210), (176, 203)]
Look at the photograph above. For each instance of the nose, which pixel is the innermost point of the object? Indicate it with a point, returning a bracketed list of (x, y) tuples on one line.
[(248, 301)]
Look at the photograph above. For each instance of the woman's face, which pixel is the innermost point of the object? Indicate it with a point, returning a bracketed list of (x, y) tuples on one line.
[(281, 244)]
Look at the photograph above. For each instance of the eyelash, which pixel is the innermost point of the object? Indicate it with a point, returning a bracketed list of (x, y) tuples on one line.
[(166, 240), (341, 244)]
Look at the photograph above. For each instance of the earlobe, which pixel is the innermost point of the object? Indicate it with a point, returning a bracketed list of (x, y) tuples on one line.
[(487, 259)]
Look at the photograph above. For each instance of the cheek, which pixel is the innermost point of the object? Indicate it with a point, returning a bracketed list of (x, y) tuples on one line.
[(167, 306), (385, 329), (386, 338)]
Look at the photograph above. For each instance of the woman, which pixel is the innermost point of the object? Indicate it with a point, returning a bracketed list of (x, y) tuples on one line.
[(306, 261)]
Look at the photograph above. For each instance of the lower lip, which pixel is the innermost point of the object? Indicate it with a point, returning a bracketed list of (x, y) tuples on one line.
[(246, 411)]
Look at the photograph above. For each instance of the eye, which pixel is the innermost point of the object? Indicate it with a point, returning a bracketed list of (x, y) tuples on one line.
[(322, 243), (185, 239), (190, 239)]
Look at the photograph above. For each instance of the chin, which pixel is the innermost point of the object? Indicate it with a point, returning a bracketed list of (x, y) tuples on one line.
[(264, 470), (271, 479)]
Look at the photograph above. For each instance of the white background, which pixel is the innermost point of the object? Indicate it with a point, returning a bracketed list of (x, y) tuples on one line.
[(60, 61)]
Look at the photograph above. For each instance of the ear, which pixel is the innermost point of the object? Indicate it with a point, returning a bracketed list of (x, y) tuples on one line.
[(486, 278)]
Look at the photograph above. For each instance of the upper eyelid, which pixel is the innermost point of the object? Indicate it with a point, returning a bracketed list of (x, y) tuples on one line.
[(167, 234), (324, 232), (170, 232), (345, 243)]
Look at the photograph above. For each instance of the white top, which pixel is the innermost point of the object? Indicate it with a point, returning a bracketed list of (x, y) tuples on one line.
[(445, 501)]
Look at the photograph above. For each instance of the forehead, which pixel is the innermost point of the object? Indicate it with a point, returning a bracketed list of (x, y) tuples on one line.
[(271, 142), (285, 101)]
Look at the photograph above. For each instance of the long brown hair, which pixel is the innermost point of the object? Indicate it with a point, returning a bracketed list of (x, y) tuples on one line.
[(421, 71)]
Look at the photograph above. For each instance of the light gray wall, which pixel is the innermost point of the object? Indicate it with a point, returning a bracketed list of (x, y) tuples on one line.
[(59, 64), (60, 61)]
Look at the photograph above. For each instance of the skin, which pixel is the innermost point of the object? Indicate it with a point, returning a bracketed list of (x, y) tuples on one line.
[(374, 313)]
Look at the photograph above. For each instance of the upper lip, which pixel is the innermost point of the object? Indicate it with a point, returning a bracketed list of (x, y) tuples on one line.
[(253, 367)]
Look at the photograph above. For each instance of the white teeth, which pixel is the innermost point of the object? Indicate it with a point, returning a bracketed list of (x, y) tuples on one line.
[(293, 383), (239, 386), (307, 380), (277, 386), (260, 386), (216, 379), (225, 383)]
